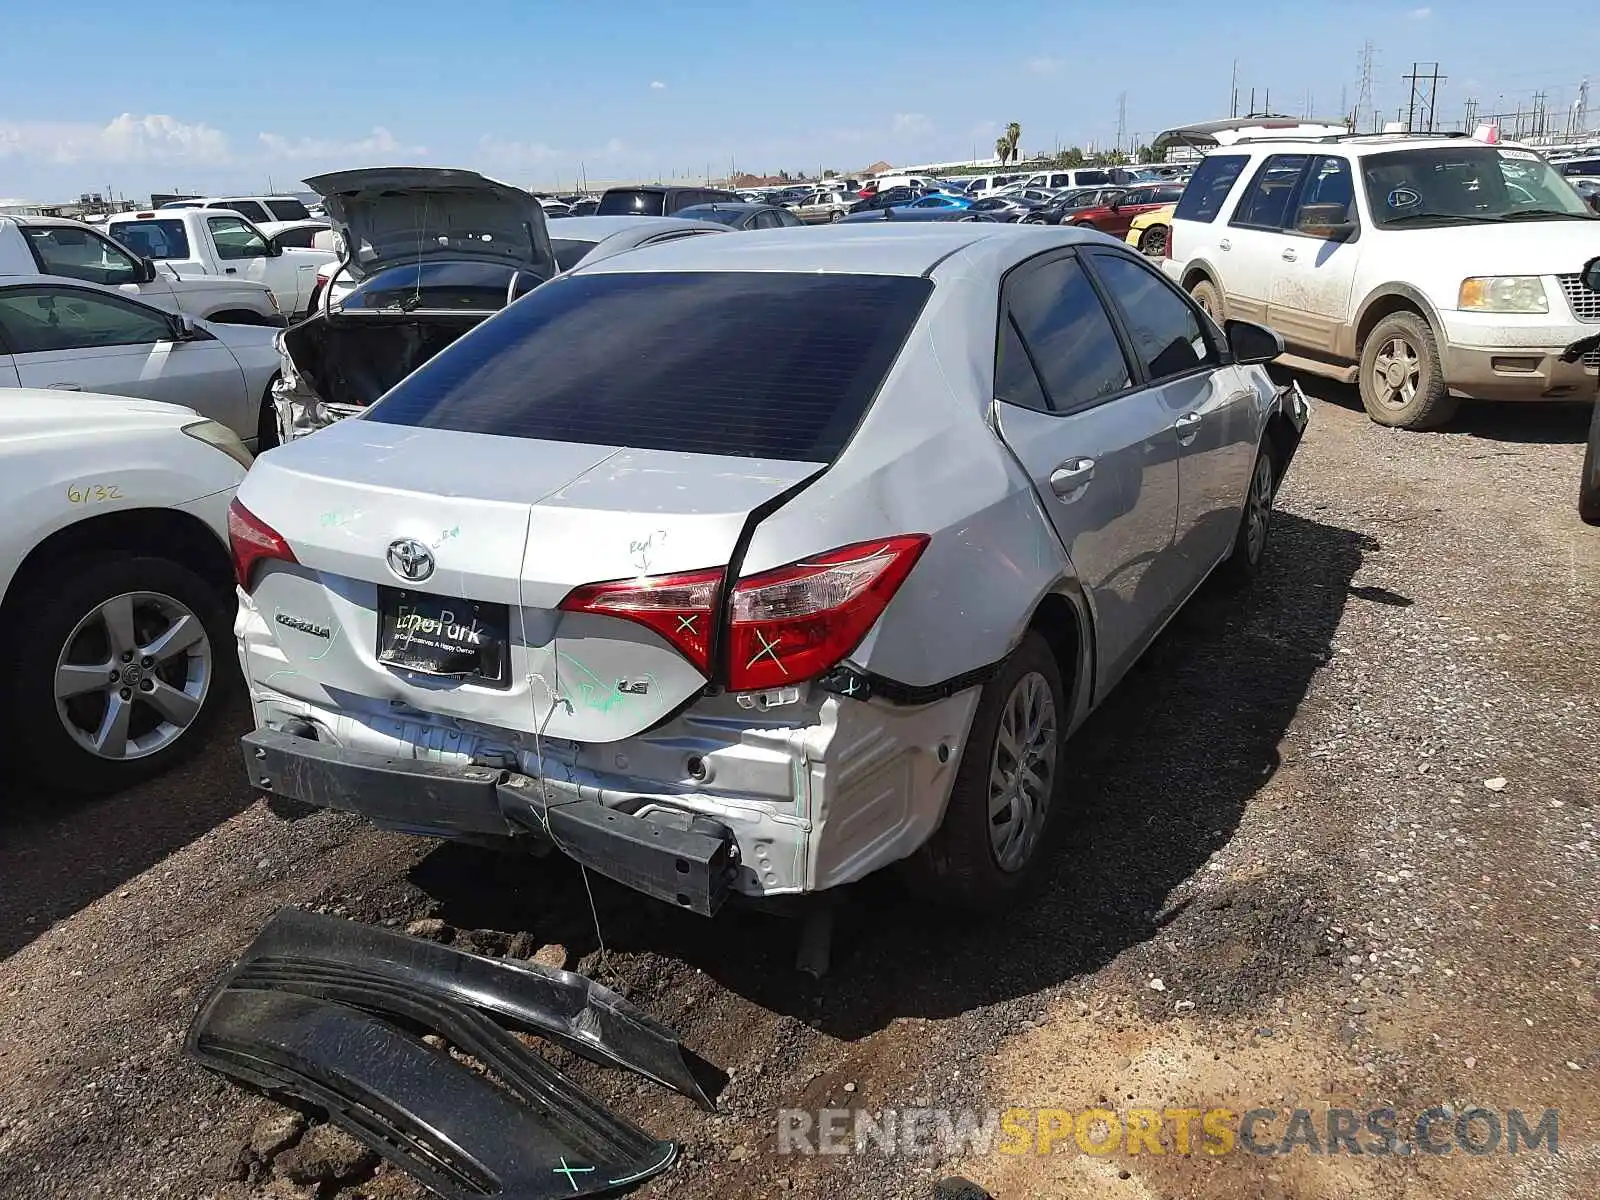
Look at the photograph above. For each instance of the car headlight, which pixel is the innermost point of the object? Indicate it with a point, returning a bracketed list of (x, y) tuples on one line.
[(223, 438), (1504, 294)]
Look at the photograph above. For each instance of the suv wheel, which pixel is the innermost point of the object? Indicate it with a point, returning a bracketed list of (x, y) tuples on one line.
[(1207, 296), (996, 839), (1401, 381), (126, 664)]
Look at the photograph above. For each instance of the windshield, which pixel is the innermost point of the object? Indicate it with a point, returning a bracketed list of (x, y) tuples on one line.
[(631, 202), (1449, 185)]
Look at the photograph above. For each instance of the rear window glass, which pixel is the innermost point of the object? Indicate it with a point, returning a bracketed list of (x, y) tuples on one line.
[(456, 286), (631, 202), (288, 210), (160, 238), (569, 253), (1209, 186), (749, 364)]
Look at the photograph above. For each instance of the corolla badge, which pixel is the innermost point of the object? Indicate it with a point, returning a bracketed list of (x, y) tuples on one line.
[(410, 560)]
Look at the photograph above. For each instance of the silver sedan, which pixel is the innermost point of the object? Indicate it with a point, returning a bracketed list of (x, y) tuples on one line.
[(757, 564)]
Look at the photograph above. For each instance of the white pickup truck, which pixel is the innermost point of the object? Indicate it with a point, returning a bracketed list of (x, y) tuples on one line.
[(209, 241), (33, 247)]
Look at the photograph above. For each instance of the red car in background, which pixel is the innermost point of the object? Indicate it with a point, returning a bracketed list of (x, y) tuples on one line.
[(1115, 218)]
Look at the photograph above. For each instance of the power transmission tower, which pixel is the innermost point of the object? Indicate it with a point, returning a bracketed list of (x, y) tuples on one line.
[(1233, 91), (1424, 96), (1122, 118), (1469, 119), (1578, 118), (1538, 114), (1364, 90)]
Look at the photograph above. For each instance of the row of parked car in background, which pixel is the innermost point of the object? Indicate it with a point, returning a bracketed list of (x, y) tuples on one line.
[(1424, 270)]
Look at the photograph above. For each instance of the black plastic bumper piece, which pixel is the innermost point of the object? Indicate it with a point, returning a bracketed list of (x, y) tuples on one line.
[(689, 863), (331, 1013)]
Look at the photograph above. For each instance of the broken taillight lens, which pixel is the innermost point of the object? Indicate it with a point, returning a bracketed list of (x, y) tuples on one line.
[(680, 608), (252, 541), (796, 622)]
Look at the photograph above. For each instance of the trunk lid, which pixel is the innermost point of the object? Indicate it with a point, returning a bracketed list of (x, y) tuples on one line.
[(507, 521), (392, 215)]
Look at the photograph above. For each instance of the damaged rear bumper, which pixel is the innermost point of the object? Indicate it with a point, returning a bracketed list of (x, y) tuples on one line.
[(331, 1013), (686, 860), (300, 411)]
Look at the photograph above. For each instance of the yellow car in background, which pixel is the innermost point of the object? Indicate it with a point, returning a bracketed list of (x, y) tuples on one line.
[(1149, 231)]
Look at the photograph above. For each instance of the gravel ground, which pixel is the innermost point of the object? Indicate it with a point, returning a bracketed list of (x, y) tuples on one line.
[(1335, 845)]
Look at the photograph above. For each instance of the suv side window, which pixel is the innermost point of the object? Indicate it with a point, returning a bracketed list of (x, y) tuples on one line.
[(1213, 179), (1265, 203), (1067, 333), (39, 319), (79, 254), (1329, 184), (1093, 178), (1167, 334)]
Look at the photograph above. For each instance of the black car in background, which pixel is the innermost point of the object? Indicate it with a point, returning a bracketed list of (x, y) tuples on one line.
[(657, 200), (1067, 203), (742, 216), (889, 198)]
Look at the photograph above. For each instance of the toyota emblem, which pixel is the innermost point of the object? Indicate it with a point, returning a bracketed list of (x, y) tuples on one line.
[(410, 560)]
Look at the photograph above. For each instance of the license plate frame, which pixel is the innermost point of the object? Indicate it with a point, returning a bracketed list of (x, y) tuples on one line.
[(448, 637)]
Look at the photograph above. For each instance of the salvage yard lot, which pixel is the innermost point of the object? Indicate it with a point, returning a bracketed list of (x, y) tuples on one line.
[(1336, 846)]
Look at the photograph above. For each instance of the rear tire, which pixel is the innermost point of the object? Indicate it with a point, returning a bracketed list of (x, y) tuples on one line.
[(1209, 298), (835, 216), (1006, 783), (1401, 381), (171, 644), (1153, 241), (1589, 483)]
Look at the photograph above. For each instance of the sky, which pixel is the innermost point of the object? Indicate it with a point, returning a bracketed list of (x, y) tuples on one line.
[(223, 97)]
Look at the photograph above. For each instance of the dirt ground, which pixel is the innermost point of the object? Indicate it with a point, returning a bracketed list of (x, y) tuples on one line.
[(1334, 845)]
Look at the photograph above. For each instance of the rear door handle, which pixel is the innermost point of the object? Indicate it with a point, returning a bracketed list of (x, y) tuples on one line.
[(1071, 477), (1224, 244), (230, 270), (1188, 427), (1288, 254), (66, 387)]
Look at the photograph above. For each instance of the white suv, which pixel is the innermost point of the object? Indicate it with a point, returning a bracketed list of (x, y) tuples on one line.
[(1423, 268)]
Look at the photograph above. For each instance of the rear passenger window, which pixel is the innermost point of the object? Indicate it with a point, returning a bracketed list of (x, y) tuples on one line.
[(1265, 203), (1092, 178), (1066, 329), (1166, 333), (751, 364), (1015, 380), (1212, 181)]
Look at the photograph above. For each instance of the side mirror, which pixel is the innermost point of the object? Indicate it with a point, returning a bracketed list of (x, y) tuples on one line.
[(1331, 221), (146, 272), (1591, 275), (1252, 343), (186, 329), (274, 248)]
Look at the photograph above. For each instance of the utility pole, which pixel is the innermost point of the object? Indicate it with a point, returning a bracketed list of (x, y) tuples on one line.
[(1469, 120), (1424, 96), (1233, 91), (1122, 118), (1538, 114), (1364, 90)]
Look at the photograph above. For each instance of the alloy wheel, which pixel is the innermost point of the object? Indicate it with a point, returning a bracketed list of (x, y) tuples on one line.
[(1397, 373), (1258, 511), (133, 675), (1022, 771)]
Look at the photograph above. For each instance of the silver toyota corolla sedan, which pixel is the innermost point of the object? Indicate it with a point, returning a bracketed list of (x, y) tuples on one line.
[(756, 564)]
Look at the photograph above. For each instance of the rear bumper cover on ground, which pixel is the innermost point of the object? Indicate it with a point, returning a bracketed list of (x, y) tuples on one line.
[(328, 1012), (688, 863)]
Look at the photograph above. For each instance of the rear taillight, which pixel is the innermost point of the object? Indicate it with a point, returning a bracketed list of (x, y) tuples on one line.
[(786, 625), (253, 541), (796, 622), (680, 608)]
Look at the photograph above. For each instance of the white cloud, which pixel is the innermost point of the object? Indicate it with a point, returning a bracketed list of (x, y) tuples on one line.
[(908, 123), (379, 143), (612, 149), (503, 155), (154, 139), (1044, 65), (1420, 14), (657, 85)]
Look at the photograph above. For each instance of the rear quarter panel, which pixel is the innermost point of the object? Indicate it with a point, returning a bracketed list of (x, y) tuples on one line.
[(925, 460)]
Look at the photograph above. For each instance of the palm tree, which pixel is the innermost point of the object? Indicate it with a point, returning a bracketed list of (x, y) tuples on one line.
[(1005, 146)]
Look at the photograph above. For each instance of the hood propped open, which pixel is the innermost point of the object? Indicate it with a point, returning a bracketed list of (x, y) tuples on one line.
[(393, 215)]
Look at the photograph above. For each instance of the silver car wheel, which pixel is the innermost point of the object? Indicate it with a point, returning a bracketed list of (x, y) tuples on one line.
[(1397, 373), (133, 675), (1258, 512), (1022, 771)]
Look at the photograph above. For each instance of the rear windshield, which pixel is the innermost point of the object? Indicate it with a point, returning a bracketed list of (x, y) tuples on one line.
[(570, 252), (631, 202), (161, 238), (450, 284), (749, 364), (288, 210)]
